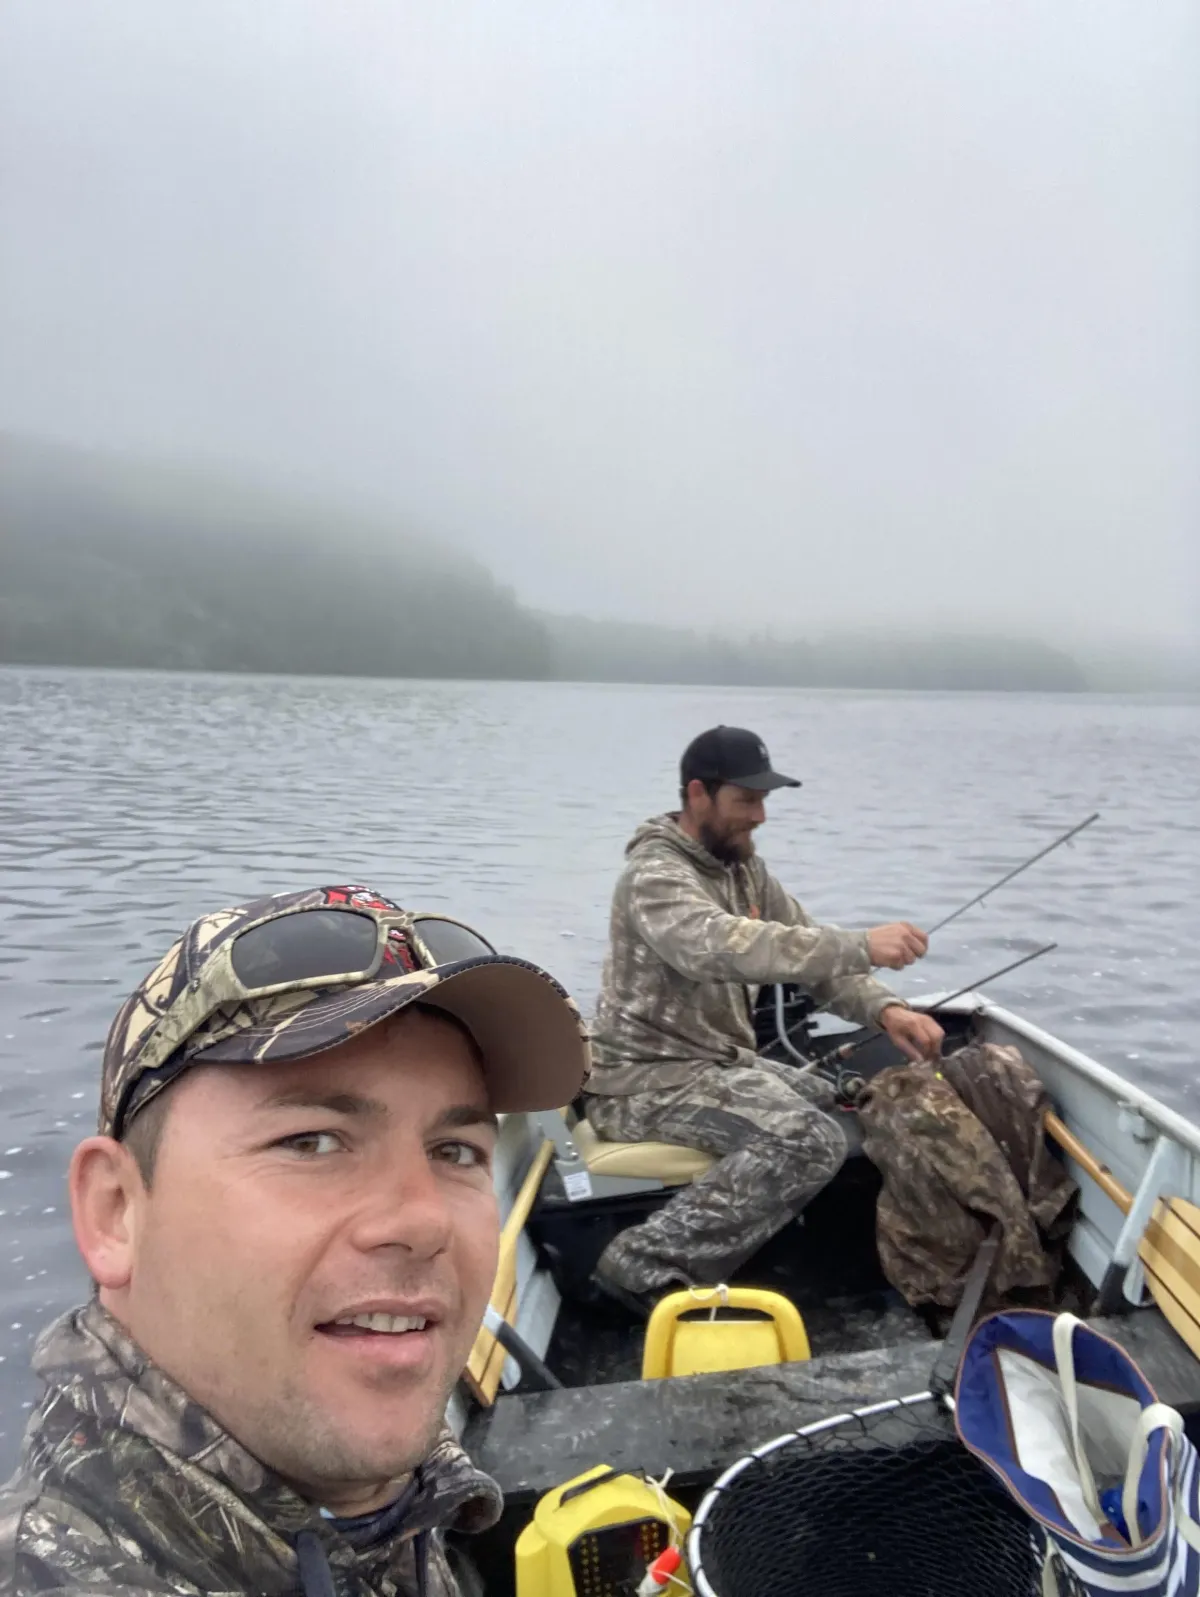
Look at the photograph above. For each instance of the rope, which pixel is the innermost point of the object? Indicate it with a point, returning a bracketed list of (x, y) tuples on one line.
[(665, 1505), (668, 1511), (700, 1295)]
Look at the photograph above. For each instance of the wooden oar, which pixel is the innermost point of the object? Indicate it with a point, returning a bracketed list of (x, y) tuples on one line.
[(1170, 1248), (486, 1362)]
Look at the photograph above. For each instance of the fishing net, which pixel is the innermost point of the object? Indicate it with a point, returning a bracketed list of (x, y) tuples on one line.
[(882, 1503)]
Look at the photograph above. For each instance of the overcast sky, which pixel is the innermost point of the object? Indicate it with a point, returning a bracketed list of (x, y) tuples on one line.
[(709, 311)]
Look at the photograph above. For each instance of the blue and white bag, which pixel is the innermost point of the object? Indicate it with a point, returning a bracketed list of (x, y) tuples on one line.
[(1075, 1431)]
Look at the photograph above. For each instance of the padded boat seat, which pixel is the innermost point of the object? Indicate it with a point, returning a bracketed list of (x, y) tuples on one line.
[(667, 1162)]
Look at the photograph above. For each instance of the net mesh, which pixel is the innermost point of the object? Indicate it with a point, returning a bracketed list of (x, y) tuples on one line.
[(878, 1504)]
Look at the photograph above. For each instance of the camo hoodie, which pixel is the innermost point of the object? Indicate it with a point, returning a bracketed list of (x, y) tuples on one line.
[(690, 942), (126, 1486)]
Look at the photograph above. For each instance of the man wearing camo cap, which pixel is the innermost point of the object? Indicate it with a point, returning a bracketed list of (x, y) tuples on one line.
[(289, 1218)]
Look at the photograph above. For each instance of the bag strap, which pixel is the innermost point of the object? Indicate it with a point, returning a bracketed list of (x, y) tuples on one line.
[(1050, 1586), (1156, 1417), (1186, 1525), (1065, 1326)]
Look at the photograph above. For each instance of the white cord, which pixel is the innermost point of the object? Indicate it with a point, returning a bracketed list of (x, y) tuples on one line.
[(702, 1294), (666, 1506), (668, 1510)]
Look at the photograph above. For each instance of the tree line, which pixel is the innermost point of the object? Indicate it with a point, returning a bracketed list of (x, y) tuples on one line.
[(108, 562)]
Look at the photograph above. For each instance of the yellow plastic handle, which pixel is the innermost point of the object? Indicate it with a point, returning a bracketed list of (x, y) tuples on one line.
[(789, 1326)]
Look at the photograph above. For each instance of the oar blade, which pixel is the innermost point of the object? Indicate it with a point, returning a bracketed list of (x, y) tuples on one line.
[(1170, 1254)]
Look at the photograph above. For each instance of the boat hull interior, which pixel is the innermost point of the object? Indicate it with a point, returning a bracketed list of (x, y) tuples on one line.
[(867, 1344)]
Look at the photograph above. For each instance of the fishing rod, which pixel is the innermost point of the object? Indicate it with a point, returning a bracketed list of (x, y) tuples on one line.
[(808, 1064), (988, 891), (852, 1048), (1033, 859), (996, 974)]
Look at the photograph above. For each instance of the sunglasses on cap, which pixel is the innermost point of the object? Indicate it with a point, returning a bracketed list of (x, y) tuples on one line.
[(300, 949)]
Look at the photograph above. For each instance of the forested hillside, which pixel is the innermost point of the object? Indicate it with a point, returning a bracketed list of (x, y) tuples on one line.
[(122, 564), (114, 562)]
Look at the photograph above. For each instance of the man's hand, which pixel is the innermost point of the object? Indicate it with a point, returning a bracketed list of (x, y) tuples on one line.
[(919, 1036), (896, 945)]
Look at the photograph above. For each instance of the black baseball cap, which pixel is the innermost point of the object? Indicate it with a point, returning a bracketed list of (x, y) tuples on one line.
[(731, 754)]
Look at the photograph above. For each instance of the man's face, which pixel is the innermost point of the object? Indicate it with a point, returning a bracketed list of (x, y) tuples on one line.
[(727, 820), (291, 1201)]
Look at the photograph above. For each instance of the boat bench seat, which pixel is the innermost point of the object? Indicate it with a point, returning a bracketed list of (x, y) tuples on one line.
[(667, 1162)]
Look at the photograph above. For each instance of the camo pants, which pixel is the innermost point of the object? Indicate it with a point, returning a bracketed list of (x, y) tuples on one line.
[(776, 1149)]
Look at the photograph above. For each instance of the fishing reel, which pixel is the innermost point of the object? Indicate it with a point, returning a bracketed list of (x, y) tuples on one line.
[(849, 1086)]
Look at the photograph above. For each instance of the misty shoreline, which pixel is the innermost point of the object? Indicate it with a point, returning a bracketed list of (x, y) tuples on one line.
[(1148, 696), (108, 563)]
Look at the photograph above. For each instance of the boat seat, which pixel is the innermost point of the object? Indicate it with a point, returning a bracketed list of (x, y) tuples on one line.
[(667, 1162)]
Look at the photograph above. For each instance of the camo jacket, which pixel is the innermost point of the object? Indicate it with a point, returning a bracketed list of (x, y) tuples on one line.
[(690, 942), (960, 1147), (127, 1486)]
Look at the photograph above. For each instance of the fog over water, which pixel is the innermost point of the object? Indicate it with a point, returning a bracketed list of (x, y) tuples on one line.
[(796, 316)]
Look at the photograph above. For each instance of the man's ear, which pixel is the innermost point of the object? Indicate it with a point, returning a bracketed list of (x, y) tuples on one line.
[(106, 1195), (696, 791)]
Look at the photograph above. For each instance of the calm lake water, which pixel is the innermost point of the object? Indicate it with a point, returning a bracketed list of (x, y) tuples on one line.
[(129, 803)]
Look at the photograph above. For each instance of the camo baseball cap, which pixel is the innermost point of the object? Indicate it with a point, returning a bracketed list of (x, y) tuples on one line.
[(529, 1032)]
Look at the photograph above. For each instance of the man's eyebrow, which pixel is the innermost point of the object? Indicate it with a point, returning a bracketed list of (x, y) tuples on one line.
[(466, 1114), (353, 1104), (333, 1102)]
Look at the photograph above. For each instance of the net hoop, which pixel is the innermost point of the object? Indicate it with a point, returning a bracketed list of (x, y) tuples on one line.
[(695, 1557)]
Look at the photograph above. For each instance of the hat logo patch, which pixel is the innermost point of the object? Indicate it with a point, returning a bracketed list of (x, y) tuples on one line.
[(361, 898)]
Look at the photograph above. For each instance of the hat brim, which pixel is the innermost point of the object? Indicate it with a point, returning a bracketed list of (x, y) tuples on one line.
[(529, 1033), (763, 781)]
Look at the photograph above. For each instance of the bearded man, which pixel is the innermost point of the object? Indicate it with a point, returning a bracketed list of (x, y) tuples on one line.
[(698, 925)]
